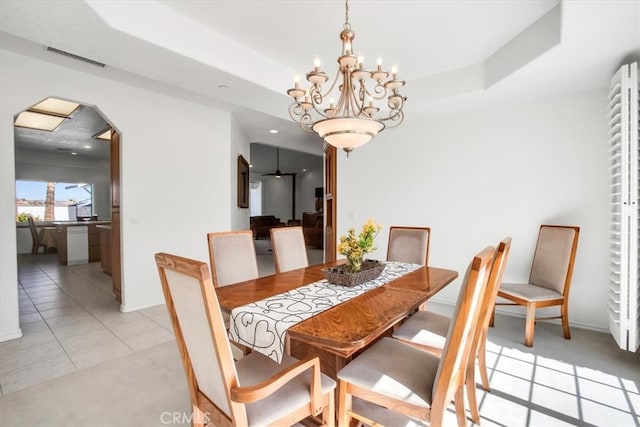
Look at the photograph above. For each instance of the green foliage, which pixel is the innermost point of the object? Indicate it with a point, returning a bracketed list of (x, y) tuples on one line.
[(22, 217), (355, 247)]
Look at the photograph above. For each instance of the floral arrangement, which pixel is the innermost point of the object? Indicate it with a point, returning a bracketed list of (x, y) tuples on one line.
[(355, 247)]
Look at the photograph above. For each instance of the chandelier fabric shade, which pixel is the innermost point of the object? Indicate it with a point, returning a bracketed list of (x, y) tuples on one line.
[(368, 101)]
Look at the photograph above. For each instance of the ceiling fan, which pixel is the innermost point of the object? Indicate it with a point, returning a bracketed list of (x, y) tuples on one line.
[(278, 173)]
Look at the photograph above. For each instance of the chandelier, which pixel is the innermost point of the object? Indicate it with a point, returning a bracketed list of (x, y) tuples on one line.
[(354, 119)]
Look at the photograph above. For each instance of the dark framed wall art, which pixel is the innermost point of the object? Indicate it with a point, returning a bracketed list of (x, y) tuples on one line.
[(243, 182)]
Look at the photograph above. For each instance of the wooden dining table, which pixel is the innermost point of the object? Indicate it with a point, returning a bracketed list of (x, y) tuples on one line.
[(340, 333)]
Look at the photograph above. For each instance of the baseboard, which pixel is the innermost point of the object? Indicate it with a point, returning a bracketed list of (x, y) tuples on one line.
[(11, 336), (523, 315), (127, 309)]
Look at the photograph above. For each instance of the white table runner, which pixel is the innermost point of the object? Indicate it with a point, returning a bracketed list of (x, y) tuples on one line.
[(262, 325)]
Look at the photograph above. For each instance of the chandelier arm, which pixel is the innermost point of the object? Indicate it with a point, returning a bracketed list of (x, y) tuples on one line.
[(394, 120), (296, 111), (316, 101), (333, 85), (352, 98)]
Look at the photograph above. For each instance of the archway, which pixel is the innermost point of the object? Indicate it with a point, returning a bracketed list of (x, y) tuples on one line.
[(75, 145)]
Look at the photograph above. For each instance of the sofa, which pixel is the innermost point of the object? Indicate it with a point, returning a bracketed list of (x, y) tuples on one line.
[(313, 229), (262, 225)]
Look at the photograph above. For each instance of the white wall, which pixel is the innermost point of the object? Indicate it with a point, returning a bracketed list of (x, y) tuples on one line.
[(478, 177), (276, 197), (306, 184), (174, 173), (239, 146)]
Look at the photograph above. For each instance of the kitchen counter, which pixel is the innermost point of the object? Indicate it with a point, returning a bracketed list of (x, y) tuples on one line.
[(77, 245)]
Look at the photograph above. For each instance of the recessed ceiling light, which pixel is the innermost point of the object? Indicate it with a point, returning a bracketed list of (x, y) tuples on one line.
[(73, 153), (31, 120), (250, 165), (304, 170), (273, 131), (87, 146), (223, 87)]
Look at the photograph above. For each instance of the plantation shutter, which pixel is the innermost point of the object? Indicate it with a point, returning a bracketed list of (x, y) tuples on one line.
[(624, 288)]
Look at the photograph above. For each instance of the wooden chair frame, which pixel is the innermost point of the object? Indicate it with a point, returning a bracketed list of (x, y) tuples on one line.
[(35, 237), (452, 368), (481, 332), (532, 306), (204, 410)]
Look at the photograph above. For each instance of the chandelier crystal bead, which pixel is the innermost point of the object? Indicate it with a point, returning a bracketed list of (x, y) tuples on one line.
[(356, 117)]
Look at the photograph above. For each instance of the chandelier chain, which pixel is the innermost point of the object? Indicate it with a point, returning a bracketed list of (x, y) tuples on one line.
[(346, 26)]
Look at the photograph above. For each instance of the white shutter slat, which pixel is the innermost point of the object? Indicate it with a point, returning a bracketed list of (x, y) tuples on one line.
[(624, 292)]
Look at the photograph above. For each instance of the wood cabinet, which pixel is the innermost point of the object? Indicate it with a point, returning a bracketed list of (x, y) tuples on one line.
[(94, 243), (105, 248), (116, 268)]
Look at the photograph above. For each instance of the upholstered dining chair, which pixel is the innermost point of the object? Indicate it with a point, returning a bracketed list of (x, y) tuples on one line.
[(409, 244), (405, 379), (233, 257), (549, 280), (254, 391), (428, 330), (289, 250), (35, 236)]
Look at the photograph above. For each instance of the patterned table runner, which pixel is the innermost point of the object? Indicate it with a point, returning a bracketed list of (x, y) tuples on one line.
[(262, 325)]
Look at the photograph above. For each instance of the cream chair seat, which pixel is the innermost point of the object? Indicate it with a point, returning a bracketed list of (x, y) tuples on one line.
[(289, 249), (403, 378), (256, 391)]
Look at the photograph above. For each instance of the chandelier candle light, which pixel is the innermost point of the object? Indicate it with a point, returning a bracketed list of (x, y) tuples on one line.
[(354, 119)]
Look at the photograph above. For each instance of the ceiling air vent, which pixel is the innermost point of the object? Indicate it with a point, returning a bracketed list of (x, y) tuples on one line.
[(76, 57)]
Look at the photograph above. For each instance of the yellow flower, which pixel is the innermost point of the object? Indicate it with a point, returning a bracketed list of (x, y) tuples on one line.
[(355, 247)]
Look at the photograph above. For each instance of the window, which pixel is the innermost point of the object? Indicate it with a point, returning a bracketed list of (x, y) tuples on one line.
[(255, 198), (71, 200)]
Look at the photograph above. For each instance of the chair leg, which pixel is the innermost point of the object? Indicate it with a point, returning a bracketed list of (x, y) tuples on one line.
[(482, 360), (199, 418), (459, 404), (564, 309), (329, 412), (530, 324), (470, 383), (344, 404), (493, 317)]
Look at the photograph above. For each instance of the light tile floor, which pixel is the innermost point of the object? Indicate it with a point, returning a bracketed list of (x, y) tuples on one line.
[(80, 355), (70, 320)]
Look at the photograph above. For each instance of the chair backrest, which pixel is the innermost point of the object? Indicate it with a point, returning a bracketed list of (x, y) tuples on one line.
[(33, 229), (493, 286), (455, 355), (233, 257), (289, 250), (553, 259), (199, 329), (409, 244)]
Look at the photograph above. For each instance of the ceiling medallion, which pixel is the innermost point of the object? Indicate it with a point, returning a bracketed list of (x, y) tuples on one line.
[(354, 119)]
